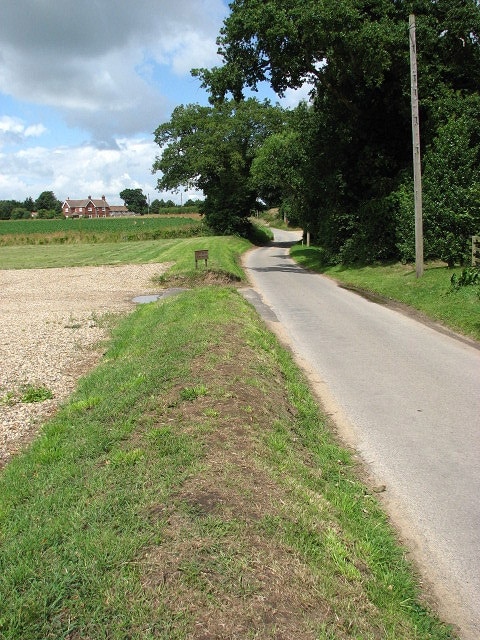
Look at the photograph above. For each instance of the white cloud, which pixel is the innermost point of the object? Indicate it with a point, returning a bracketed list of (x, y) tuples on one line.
[(83, 57), (14, 131), (77, 172), (293, 97)]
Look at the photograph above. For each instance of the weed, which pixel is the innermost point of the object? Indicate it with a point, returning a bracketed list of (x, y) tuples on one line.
[(193, 393), (470, 276), (30, 393), (8, 398)]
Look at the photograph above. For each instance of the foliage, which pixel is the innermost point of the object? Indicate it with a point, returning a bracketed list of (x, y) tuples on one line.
[(212, 149), (135, 200), (20, 213), (7, 207), (353, 144), (158, 205), (14, 209), (470, 276), (47, 201), (452, 184), (451, 188)]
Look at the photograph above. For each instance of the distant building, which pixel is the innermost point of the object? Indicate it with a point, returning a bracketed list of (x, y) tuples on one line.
[(93, 208)]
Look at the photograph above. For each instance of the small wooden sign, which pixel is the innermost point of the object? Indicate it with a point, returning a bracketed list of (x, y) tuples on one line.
[(202, 254)]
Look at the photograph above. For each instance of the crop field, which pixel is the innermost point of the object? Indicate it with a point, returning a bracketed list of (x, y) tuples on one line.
[(93, 230)]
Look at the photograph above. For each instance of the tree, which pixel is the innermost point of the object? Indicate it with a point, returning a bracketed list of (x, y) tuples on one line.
[(354, 53), (135, 200), (212, 149), (20, 213), (155, 206), (193, 203), (6, 208), (29, 204), (48, 202), (451, 188)]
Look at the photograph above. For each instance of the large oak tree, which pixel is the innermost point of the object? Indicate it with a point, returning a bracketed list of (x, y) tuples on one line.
[(212, 149), (355, 54)]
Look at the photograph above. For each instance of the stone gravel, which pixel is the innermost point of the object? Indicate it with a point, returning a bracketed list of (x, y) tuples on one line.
[(51, 332)]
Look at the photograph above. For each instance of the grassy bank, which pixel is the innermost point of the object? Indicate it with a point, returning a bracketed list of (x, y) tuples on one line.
[(190, 488), (431, 294)]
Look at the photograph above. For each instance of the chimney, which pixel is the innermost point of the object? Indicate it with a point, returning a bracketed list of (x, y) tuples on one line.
[(103, 197)]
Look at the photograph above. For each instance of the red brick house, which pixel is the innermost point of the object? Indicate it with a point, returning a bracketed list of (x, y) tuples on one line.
[(87, 208)]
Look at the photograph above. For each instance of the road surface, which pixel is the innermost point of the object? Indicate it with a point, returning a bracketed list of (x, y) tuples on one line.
[(407, 397)]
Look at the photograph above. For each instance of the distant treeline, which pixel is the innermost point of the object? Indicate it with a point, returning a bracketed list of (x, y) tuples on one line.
[(47, 206)]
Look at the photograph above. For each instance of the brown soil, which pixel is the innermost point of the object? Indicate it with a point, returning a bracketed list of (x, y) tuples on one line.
[(214, 563)]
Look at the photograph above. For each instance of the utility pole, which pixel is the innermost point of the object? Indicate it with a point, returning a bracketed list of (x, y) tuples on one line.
[(417, 169)]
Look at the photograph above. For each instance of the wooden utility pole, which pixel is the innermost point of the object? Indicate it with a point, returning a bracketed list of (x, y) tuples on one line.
[(417, 169)]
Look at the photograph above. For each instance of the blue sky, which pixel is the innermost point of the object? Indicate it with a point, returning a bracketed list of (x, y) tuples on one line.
[(84, 83)]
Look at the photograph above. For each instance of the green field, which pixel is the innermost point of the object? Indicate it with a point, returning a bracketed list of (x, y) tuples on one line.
[(93, 230), (224, 254)]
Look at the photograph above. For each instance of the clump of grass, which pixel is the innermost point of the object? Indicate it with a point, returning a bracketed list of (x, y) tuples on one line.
[(31, 393), (27, 393), (7, 398), (193, 393)]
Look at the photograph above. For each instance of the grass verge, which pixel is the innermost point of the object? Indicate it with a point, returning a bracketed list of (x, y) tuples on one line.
[(190, 488), (224, 254), (431, 294)]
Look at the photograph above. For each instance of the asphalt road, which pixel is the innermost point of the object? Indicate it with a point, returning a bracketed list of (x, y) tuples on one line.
[(407, 397)]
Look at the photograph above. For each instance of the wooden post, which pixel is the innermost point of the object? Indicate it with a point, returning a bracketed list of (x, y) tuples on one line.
[(417, 168)]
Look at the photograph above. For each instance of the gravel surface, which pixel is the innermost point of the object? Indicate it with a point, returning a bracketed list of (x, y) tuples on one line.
[(51, 332)]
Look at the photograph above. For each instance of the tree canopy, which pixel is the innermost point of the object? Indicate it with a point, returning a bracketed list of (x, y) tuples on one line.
[(356, 138), (212, 149), (135, 200), (47, 201), (46, 206), (341, 165)]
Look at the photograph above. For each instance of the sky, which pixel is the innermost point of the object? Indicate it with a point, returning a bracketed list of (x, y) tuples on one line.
[(85, 83)]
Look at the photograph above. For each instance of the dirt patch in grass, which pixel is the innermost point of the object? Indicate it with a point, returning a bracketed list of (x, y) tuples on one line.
[(220, 563)]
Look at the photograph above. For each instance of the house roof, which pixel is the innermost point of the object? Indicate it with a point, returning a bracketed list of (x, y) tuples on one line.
[(85, 202)]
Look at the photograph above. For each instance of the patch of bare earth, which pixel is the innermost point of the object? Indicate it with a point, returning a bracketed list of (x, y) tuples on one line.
[(218, 565), (53, 323)]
